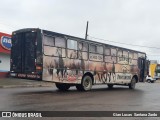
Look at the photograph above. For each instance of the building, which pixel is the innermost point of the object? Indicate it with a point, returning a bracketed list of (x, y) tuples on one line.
[(5, 47)]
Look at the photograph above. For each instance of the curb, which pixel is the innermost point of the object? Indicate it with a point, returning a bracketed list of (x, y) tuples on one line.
[(20, 86)]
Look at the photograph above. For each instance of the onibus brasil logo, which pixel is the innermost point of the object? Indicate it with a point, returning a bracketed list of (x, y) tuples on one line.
[(6, 42)]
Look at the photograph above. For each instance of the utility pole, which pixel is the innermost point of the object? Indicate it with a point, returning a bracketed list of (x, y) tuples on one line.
[(86, 31)]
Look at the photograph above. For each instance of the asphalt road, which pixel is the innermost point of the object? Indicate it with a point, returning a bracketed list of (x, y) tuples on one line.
[(100, 98)]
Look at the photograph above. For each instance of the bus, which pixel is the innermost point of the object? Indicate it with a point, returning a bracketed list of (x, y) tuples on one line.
[(72, 61)]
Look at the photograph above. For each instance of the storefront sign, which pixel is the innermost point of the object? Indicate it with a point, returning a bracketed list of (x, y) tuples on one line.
[(6, 42)]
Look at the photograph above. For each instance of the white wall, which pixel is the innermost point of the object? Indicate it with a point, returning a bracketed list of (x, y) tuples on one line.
[(5, 62)]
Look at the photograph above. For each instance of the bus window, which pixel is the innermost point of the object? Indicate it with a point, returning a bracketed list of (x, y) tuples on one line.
[(83, 46), (125, 56), (141, 55), (92, 48), (107, 51), (72, 44), (96, 49), (83, 50), (131, 55), (100, 49), (72, 48), (48, 40), (120, 53), (135, 56), (96, 52), (113, 52), (60, 42)]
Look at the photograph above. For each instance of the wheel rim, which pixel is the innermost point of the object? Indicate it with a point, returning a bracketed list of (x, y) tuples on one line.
[(87, 84)]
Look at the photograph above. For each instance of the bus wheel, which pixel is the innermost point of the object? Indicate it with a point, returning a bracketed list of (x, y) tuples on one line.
[(132, 84), (86, 84), (62, 86), (110, 86)]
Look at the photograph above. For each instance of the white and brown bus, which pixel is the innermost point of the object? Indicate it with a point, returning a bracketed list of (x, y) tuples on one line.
[(71, 61)]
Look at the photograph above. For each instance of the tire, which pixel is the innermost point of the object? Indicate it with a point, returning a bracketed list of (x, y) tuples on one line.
[(62, 86), (79, 87), (132, 84), (148, 80), (86, 84), (110, 86)]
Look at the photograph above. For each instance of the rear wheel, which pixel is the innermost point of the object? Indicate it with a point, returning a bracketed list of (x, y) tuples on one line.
[(62, 86), (132, 84), (86, 84), (110, 86)]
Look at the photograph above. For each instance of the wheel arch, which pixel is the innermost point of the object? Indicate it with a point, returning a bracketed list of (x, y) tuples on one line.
[(89, 74), (136, 77)]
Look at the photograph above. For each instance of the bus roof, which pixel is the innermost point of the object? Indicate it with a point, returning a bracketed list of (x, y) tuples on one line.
[(63, 35)]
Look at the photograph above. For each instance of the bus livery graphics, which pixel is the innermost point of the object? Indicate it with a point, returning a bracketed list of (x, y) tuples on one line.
[(72, 61)]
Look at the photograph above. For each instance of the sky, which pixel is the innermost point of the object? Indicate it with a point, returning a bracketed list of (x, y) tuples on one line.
[(132, 22)]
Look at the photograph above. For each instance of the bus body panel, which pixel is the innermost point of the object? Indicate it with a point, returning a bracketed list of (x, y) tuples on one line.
[(68, 65), (62, 58)]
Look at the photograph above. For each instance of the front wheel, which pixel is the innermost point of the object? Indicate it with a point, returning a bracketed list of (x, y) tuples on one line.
[(86, 84), (62, 86), (132, 84)]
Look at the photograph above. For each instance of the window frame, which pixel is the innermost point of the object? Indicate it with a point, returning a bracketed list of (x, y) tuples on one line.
[(96, 48)]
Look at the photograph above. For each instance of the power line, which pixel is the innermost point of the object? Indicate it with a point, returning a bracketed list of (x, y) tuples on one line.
[(122, 43), (153, 55)]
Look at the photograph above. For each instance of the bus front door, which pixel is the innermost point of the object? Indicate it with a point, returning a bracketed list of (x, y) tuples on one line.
[(141, 65)]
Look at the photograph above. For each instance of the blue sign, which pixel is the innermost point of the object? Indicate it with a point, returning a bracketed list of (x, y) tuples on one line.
[(6, 42)]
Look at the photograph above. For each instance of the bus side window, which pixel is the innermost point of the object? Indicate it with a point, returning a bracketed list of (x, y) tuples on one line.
[(48, 40), (114, 55), (125, 56), (83, 50), (60, 42), (72, 44), (92, 48), (120, 53), (131, 55), (72, 48), (120, 56), (99, 49), (135, 56), (96, 52), (83, 46), (96, 49), (113, 52), (107, 51)]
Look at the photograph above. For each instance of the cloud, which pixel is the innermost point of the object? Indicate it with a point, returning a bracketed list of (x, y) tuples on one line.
[(127, 21)]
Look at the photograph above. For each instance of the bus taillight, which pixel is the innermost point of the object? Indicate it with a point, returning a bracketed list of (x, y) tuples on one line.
[(38, 68)]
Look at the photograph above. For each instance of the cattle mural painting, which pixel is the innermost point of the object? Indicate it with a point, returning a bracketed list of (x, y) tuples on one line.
[(69, 65)]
